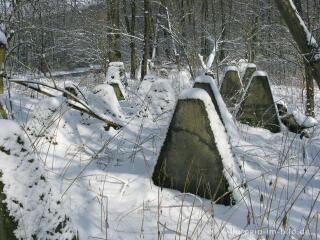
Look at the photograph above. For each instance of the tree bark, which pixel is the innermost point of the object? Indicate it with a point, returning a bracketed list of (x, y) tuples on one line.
[(146, 49), (132, 43), (309, 50), (2, 56), (310, 91), (204, 19), (223, 29), (309, 110), (114, 53)]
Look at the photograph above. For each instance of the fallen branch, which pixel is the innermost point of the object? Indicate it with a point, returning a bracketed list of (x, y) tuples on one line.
[(84, 109)]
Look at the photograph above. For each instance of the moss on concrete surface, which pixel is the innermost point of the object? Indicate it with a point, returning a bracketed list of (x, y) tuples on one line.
[(189, 160)]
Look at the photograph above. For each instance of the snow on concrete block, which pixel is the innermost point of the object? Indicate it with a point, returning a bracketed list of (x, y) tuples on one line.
[(231, 87), (103, 100), (207, 87), (249, 70), (26, 192), (116, 77), (207, 83), (196, 156), (116, 72), (257, 107)]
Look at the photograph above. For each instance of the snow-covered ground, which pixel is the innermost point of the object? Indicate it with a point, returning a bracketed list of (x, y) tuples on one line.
[(103, 178)]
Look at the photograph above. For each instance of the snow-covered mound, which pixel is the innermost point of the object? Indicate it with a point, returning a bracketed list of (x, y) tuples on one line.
[(158, 95), (116, 73), (104, 102), (303, 120), (45, 113), (30, 200), (180, 80), (117, 200)]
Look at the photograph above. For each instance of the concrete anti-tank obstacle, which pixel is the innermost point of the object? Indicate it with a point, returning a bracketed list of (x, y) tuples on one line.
[(116, 77), (117, 91), (231, 87), (207, 87), (196, 156), (249, 70), (257, 107), (208, 84)]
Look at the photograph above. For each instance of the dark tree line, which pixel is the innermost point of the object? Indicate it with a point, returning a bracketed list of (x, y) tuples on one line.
[(62, 34)]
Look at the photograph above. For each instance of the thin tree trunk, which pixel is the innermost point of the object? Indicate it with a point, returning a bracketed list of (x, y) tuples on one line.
[(2, 57), (204, 18), (132, 43), (163, 13), (223, 28), (310, 91), (126, 18), (145, 58)]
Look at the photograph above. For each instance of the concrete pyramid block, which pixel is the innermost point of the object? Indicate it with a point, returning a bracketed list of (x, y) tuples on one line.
[(196, 156), (249, 70), (116, 77), (117, 91), (257, 107), (231, 87), (207, 83), (207, 87)]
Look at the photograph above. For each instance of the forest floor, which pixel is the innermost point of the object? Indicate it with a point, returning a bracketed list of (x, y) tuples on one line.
[(103, 178)]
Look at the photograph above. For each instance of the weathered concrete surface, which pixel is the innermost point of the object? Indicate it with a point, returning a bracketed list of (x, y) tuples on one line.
[(247, 75), (257, 108), (207, 88), (189, 160), (116, 72), (117, 91), (231, 88), (7, 223)]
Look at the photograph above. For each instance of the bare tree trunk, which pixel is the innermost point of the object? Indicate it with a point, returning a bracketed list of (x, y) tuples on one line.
[(310, 91), (132, 43), (163, 12), (308, 47), (309, 111), (2, 56), (204, 18), (144, 66), (114, 52), (223, 28), (131, 30)]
